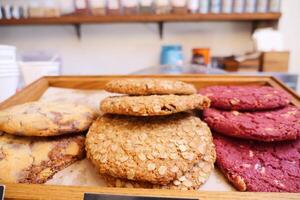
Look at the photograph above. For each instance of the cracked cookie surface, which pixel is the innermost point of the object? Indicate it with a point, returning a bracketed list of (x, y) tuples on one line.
[(148, 86), (191, 180), (153, 105), (36, 159), (258, 166), (246, 98), (46, 119), (153, 149), (274, 125)]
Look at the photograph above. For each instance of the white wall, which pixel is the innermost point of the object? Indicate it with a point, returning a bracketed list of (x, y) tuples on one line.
[(124, 48), (289, 26)]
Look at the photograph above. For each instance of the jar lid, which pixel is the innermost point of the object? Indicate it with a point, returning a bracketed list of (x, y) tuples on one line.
[(146, 2), (200, 50), (171, 47), (162, 2)]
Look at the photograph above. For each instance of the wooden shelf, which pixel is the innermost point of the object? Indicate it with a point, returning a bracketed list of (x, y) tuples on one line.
[(256, 18), (143, 18)]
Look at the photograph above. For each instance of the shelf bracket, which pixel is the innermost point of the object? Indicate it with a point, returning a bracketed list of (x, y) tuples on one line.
[(264, 24), (161, 29), (78, 30)]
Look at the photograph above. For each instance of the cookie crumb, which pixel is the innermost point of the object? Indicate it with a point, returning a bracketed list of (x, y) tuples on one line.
[(162, 170)]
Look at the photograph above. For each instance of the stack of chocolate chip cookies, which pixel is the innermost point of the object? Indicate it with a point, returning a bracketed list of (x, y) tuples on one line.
[(147, 138), (38, 139), (257, 134)]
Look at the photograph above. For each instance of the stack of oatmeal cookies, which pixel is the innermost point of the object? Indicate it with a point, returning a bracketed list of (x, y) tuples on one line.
[(148, 138)]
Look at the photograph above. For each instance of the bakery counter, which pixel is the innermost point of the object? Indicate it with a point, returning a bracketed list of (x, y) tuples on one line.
[(289, 79), (180, 136)]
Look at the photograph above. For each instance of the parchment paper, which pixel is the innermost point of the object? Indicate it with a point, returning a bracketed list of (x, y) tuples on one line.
[(82, 173)]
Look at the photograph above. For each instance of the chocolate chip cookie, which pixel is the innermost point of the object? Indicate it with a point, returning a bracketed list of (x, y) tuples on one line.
[(153, 105), (148, 86), (246, 98), (152, 149), (259, 166), (46, 119), (36, 159)]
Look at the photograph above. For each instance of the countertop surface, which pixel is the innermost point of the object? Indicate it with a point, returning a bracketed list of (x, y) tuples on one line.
[(289, 79)]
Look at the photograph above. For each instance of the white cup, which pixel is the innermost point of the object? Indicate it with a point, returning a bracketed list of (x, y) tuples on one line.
[(8, 67), (7, 53), (32, 71), (8, 64)]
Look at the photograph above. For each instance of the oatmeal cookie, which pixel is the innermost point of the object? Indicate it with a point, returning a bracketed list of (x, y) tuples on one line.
[(153, 105), (152, 149), (149, 86), (191, 180)]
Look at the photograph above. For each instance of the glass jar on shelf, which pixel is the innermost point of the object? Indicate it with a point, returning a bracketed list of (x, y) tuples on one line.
[(130, 7), (14, 9), (193, 6), (146, 6), (262, 6), (113, 7), (171, 58), (238, 6), (215, 6), (1, 15), (274, 5), (162, 7), (35, 9), (23, 8), (227, 6), (179, 6), (81, 7), (97, 7), (6, 9), (201, 56), (204, 6), (51, 8), (250, 6), (67, 7)]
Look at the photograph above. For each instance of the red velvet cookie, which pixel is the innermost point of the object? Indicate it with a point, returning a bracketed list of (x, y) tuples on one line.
[(245, 98), (276, 125), (259, 167)]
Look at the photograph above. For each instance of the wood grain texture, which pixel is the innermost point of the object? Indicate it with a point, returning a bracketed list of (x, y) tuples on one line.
[(280, 85), (275, 61), (36, 89), (98, 82), (200, 81), (22, 191), (75, 19), (31, 93)]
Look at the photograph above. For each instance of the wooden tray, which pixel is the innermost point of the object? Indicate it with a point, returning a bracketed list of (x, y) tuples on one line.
[(35, 91)]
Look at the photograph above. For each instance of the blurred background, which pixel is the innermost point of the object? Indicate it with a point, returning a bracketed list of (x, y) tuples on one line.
[(96, 37)]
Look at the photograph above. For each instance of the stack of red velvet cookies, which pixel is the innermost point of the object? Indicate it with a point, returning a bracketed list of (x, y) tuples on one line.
[(257, 133)]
